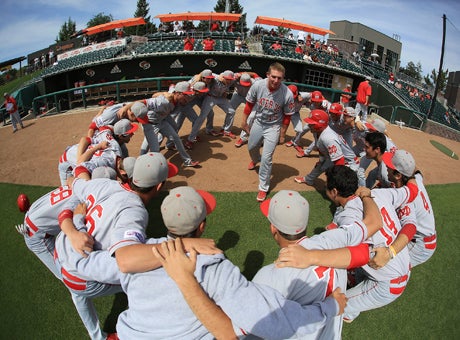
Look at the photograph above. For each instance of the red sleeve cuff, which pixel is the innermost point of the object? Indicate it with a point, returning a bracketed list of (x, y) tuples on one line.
[(340, 161), (248, 108), (286, 120), (409, 230), (65, 214), (81, 169), (359, 255), (93, 126)]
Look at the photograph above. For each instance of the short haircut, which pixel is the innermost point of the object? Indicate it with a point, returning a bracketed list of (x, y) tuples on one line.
[(377, 140), (292, 237), (277, 67), (343, 179)]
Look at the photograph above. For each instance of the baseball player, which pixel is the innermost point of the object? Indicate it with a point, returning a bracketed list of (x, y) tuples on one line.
[(363, 95), (300, 99), (317, 101), (341, 120), (116, 219), (272, 101), (378, 287), (420, 238), (266, 314), (217, 95), (158, 119), (12, 108), (332, 148)]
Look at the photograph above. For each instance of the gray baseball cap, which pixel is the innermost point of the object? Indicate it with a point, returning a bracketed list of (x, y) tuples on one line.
[(288, 211), (152, 169), (245, 79), (377, 125), (185, 208), (104, 172), (183, 87), (228, 75), (401, 161), (139, 110), (349, 111), (128, 166), (207, 73), (124, 126), (200, 86)]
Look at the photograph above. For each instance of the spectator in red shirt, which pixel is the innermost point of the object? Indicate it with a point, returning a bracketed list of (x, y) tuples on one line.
[(345, 98), (298, 49), (208, 44), (189, 43), (276, 46), (363, 97), (12, 108), (215, 26)]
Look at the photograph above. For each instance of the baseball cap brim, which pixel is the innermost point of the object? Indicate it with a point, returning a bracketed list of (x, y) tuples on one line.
[(370, 127), (143, 120), (388, 160), (133, 129), (264, 207), (311, 121), (314, 100), (172, 170), (245, 83), (209, 200), (209, 77), (187, 92), (203, 90)]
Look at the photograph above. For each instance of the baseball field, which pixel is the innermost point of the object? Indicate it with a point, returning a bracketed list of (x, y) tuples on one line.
[(35, 305)]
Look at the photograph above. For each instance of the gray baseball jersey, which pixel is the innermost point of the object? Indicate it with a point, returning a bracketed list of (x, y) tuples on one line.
[(270, 107), (108, 116), (257, 309)]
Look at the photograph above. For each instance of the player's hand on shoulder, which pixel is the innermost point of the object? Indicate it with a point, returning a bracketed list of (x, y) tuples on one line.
[(205, 246), (363, 192), (293, 255), (177, 264)]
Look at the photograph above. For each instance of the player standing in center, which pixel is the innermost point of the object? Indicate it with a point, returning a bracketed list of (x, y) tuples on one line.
[(272, 101)]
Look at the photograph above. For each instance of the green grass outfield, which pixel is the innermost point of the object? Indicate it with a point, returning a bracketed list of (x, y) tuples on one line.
[(34, 305)]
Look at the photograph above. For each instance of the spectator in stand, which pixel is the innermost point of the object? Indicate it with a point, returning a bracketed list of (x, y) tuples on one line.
[(43, 60), (215, 26), (36, 63), (231, 27), (120, 33), (299, 49), (208, 44), (307, 56), (238, 44), (177, 28), (12, 108), (301, 37), (189, 43), (244, 47), (391, 78), (291, 36), (308, 41), (345, 98), (363, 97), (51, 57), (276, 45), (272, 32)]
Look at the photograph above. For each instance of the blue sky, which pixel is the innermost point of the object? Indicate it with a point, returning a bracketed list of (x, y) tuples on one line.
[(29, 25)]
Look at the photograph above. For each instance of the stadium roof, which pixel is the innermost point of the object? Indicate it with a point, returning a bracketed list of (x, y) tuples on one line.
[(292, 25), (191, 16), (11, 62)]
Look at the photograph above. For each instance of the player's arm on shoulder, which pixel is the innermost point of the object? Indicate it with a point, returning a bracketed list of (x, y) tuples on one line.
[(181, 268)]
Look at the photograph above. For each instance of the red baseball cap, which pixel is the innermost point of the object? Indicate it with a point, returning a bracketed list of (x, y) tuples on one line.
[(294, 90), (336, 108), (319, 118), (317, 96)]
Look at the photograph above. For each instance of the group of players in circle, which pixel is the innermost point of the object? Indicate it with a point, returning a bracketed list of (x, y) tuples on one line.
[(90, 232)]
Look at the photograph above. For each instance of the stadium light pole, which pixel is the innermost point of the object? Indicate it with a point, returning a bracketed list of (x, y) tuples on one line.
[(436, 87)]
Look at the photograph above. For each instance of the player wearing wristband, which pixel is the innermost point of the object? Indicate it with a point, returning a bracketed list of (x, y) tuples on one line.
[(273, 103), (417, 218)]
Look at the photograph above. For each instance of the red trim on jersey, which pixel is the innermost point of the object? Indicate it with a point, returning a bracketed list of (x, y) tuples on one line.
[(409, 230), (413, 191), (63, 157), (81, 169), (286, 119), (359, 255), (430, 242), (65, 214), (32, 226), (74, 286), (92, 126), (248, 108), (340, 161)]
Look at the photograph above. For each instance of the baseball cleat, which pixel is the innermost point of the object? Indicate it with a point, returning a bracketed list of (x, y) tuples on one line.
[(191, 163), (228, 134), (239, 143), (188, 145), (213, 133), (302, 180), (251, 165), (261, 196), (289, 144)]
